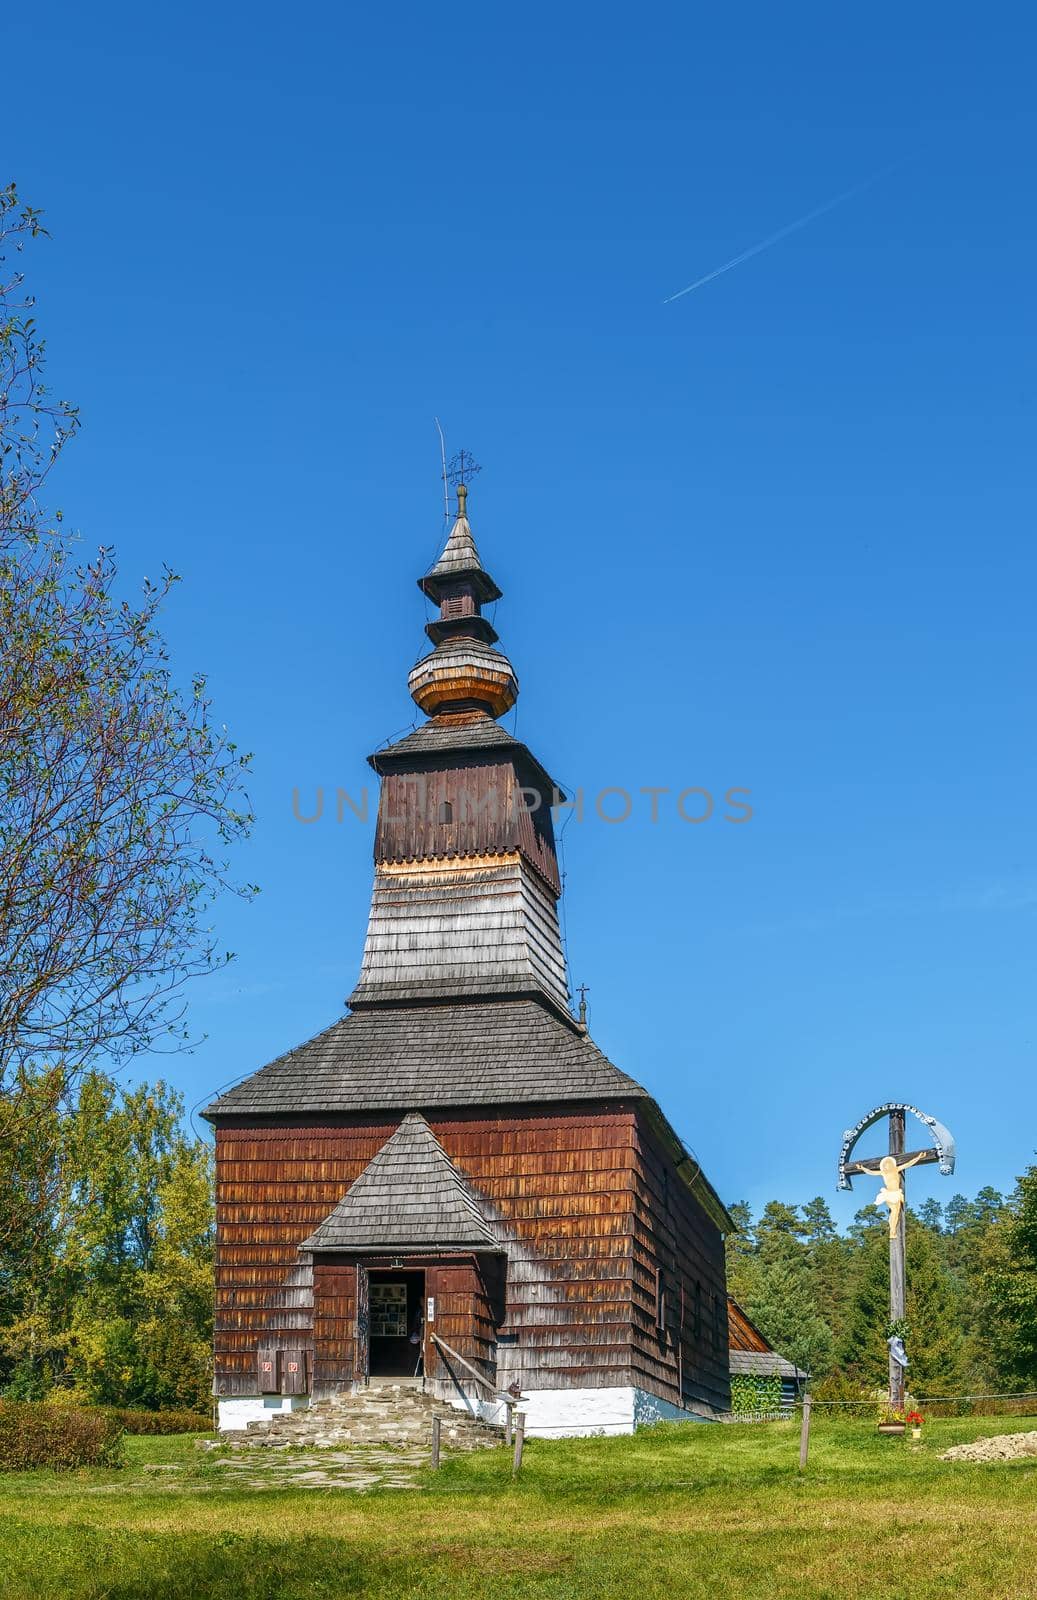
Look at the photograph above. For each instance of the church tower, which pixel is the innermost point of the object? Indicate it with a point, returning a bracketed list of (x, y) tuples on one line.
[(452, 1183), (466, 872)]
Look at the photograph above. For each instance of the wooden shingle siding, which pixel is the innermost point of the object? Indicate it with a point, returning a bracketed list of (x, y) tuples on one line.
[(562, 1183), (488, 923), (686, 1361), (273, 1187), (497, 806)]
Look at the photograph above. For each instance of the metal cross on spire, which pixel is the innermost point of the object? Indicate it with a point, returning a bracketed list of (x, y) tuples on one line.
[(462, 468)]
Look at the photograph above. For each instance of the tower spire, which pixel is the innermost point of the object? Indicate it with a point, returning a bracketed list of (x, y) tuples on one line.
[(464, 673)]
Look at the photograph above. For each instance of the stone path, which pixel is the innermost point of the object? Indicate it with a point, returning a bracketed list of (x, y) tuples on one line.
[(358, 1468)]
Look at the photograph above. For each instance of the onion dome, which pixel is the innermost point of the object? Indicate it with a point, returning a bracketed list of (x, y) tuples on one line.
[(464, 672)]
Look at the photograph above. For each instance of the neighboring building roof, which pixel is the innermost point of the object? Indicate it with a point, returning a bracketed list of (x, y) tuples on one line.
[(750, 1352), (454, 1054), (410, 1196), (763, 1364), (741, 1333)]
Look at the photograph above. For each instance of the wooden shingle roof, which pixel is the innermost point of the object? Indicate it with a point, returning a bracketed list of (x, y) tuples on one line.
[(422, 1056), (410, 1196), (479, 732), (763, 1364), (460, 553), (443, 737), (750, 1353), (460, 560)]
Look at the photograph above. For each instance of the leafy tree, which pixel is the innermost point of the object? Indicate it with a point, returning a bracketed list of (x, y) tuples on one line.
[(822, 1297), (989, 1204), (114, 1298), (120, 796), (177, 1290)]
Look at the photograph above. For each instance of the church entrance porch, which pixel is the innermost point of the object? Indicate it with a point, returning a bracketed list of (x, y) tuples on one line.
[(396, 1323), (374, 1321)]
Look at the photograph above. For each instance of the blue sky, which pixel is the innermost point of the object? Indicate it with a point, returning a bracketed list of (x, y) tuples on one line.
[(775, 534)]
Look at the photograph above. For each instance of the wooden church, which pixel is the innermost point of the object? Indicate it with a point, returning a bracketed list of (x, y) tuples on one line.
[(452, 1182)]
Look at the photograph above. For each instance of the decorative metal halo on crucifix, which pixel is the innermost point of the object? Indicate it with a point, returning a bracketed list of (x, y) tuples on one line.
[(943, 1149), (892, 1194)]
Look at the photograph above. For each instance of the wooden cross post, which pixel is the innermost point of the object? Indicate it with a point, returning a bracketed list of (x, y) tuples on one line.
[(897, 1270)]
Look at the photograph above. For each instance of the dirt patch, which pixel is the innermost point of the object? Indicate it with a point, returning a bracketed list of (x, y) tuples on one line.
[(1007, 1447)]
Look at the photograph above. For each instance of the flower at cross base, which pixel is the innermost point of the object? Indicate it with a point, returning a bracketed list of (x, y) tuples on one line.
[(914, 1419)]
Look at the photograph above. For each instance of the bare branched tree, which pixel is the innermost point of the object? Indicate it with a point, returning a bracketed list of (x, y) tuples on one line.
[(119, 797)]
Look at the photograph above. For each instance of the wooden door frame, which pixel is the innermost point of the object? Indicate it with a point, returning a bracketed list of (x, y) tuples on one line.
[(362, 1338)]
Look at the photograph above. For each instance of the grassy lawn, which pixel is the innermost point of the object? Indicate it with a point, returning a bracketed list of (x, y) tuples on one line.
[(672, 1512)]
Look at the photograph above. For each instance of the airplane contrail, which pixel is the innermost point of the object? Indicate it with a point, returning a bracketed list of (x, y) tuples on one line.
[(782, 233)]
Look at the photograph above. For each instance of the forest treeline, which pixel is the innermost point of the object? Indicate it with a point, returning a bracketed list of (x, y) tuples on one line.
[(821, 1296)]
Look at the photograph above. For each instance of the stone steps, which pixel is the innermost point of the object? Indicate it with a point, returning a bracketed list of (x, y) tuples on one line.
[(396, 1416)]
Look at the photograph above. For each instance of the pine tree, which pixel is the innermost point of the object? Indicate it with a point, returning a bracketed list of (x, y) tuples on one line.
[(1009, 1286), (936, 1338)]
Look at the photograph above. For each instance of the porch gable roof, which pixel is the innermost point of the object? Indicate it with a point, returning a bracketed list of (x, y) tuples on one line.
[(410, 1196)]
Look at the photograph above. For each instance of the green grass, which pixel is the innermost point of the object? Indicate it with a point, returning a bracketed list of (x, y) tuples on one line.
[(673, 1512)]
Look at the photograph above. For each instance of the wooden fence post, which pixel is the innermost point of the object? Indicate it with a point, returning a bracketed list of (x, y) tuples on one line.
[(436, 1425), (509, 1410), (520, 1434), (804, 1433)]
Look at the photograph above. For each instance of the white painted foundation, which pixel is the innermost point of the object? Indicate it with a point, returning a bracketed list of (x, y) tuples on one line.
[(578, 1413), (236, 1414), (550, 1413)]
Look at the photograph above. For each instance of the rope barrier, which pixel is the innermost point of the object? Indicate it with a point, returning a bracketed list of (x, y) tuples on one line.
[(597, 1430), (922, 1399)]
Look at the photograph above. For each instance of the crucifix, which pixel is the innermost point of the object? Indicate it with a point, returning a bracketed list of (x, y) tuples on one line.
[(891, 1168)]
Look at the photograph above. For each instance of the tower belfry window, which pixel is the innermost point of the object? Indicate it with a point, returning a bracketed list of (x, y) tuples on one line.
[(446, 811)]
